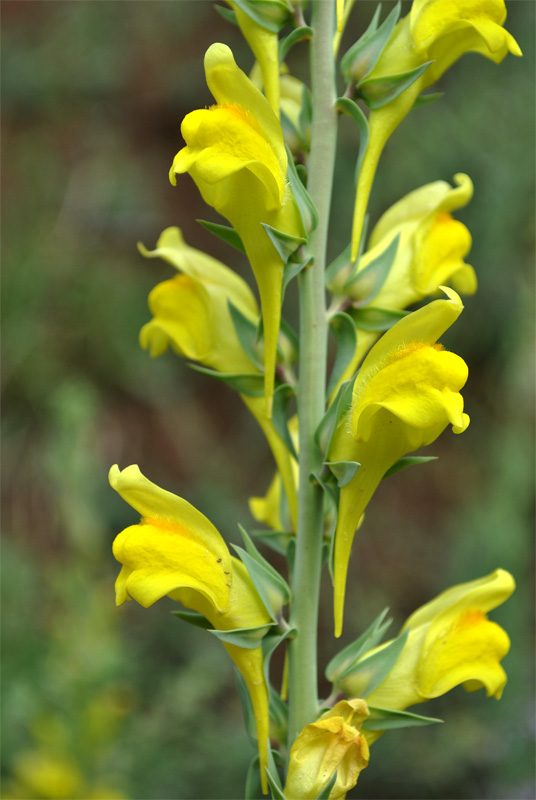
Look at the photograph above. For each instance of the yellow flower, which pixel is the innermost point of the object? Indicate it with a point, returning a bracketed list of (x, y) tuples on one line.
[(440, 31), (175, 550), (404, 396), (48, 775), (430, 254), (451, 642), (334, 743), (236, 155)]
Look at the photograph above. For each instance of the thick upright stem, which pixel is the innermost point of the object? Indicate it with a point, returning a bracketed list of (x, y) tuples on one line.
[(303, 696)]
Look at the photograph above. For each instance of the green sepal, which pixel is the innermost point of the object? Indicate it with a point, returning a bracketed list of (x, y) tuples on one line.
[(407, 461), (337, 409), (373, 670), (227, 14), (253, 788), (194, 618), (377, 92), (269, 645), (225, 233), (384, 719), (275, 787), (292, 269), (344, 471), (351, 108), (271, 586), (250, 385), (348, 657), (326, 791), (425, 99), (246, 330), (269, 14), (362, 57), (343, 328), (295, 36), (275, 540), (338, 264), (374, 318), (247, 708), (331, 492), (367, 282), (306, 207), (285, 243), (248, 638), (282, 397)]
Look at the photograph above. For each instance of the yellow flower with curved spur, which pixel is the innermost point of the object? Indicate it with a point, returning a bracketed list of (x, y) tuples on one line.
[(451, 642), (404, 396), (334, 743), (431, 252), (236, 155), (175, 550), (440, 31), (191, 313)]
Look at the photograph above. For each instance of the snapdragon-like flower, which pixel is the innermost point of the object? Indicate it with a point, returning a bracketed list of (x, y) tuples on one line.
[(334, 743), (440, 31), (191, 313), (175, 550), (451, 642), (236, 155), (404, 396), (431, 252)]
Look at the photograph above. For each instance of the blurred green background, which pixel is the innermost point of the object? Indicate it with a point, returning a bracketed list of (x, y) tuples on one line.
[(100, 702)]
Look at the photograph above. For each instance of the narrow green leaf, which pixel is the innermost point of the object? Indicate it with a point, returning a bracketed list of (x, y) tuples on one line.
[(373, 670), (307, 208), (250, 385), (194, 618), (297, 35), (331, 493), (247, 708), (275, 786), (278, 709), (333, 415), (275, 540), (289, 332), (326, 791), (362, 57), (338, 264), (343, 328), (367, 283), (426, 99), (282, 397), (284, 243), (373, 318), (407, 461), (292, 269), (383, 719), (269, 645), (351, 108), (305, 117), (269, 14), (344, 471), (292, 130), (377, 92), (224, 232), (246, 330), (348, 657), (253, 789), (271, 586), (248, 638)]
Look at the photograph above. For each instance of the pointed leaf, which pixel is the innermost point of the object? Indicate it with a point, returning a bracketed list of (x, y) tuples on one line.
[(247, 708), (326, 791), (367, 282), (407, 461), (227, 13), (224, 232), (425, 99), (383, 719), (275, 540), (351, 108), (343, 328), (253, 789), (373, 670), (275, 787), (248, 638), (269, 645), (269, 14), (373, 318), (297, 35), (284, 243), (339, 263), (331, 494), (344, 471), (347, 658), (292, 269), (362, 57), (336, 410), (250, 385), (282, 397), (194, 618), (307, 208), (278, 709), (246, 330), (377, 92), (292, 130), (271, 586), (289, 332)]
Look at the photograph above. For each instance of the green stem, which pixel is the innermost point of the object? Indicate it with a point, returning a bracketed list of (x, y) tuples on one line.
[(303, 696)]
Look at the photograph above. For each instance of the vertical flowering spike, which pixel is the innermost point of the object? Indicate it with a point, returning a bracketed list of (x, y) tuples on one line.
[(451, 642), (404, 396), (236, 155), (175, 550), (440, 31)]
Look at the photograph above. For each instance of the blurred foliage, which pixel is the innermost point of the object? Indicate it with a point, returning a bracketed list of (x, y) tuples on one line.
[(107, 703)]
